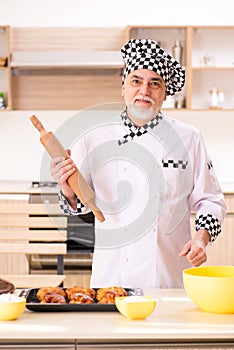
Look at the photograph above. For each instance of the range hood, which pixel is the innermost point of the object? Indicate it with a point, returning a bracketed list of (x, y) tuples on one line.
[(25, 61)]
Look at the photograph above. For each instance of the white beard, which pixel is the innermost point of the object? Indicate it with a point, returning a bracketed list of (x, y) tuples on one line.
[(139, 112)]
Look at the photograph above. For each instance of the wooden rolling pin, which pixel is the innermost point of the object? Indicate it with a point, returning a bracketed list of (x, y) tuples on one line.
[(76, 180)]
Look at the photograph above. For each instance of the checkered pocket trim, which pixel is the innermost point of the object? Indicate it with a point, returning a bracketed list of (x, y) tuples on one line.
[(209, 223), (65, 207), (170, 163)]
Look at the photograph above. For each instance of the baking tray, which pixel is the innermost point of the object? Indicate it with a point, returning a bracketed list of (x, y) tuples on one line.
[(33, 304)]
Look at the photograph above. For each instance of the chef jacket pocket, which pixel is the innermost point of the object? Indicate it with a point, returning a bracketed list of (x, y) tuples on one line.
[(174, 164)]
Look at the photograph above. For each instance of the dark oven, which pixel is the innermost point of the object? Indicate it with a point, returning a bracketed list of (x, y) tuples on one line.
[(80, 234)]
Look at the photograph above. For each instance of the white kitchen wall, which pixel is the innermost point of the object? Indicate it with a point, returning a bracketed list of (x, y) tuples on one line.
[(101, 13), (20, 149)]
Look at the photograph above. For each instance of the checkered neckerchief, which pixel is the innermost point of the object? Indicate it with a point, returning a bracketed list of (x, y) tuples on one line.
[(136, 131)]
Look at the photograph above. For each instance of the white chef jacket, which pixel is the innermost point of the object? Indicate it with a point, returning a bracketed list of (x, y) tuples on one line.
[(146, 185)]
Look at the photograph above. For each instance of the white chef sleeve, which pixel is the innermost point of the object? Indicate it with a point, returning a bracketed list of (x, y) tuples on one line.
[(206, 199)]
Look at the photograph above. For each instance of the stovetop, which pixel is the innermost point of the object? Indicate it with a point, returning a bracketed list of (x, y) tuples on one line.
[(36, 184)]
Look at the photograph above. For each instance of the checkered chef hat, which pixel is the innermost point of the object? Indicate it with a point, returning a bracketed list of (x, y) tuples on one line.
[(147, 54)]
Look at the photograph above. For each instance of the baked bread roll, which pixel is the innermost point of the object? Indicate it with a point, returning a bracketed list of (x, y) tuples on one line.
[(76, 289), (80, 298), (52, 297), (108, 297), (42, 291), (120, 292)]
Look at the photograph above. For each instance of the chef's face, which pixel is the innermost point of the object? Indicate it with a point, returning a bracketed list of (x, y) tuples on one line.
[(144, 92)]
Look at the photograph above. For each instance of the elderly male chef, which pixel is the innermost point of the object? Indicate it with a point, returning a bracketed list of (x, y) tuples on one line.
[(149, 172)]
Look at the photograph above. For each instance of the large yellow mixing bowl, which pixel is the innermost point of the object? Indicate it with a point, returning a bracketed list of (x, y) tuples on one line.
[(211, 288)]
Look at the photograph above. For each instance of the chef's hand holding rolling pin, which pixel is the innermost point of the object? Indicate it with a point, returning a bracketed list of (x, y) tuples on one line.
[(195, 250), (64, 171), (61, 169)]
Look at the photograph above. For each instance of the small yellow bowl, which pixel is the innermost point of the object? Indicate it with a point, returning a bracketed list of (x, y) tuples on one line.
[(11, 310), (211, 288), (135, 307)]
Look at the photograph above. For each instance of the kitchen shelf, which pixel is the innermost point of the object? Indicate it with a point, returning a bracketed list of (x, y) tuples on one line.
[(212, 46), (204, 80), (213, 68), (87, 70), (5, 81), (212, 60), (65, 68)]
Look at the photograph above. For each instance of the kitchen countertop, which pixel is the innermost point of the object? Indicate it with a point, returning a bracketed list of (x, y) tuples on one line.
[(176, 320), (24, 187)]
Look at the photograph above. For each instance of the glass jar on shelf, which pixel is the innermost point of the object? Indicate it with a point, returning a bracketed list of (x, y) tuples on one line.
[(216, 98), (177, 51)]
